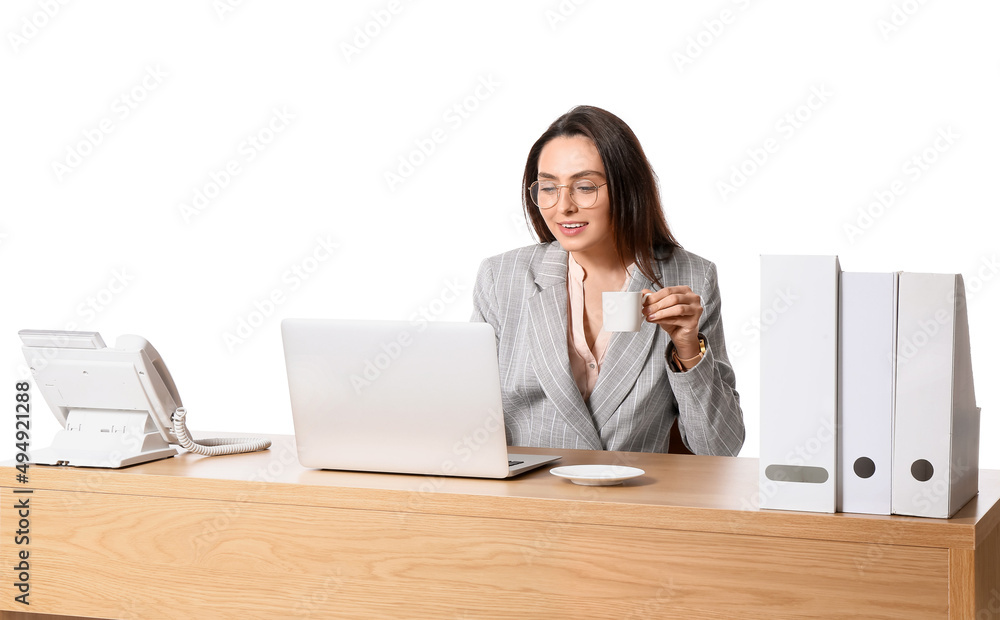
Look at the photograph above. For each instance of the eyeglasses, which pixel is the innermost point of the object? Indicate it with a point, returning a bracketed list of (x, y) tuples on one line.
[(583, 193)]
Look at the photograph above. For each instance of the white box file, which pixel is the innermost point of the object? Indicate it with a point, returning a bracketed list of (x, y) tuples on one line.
[(798, 382), (936, 429), (867, 383)]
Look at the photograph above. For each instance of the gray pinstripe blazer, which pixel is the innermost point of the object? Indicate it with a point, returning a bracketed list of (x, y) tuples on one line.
[(522, 294)]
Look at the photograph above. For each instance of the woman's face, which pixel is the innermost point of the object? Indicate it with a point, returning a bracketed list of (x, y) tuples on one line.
[(567, 160)]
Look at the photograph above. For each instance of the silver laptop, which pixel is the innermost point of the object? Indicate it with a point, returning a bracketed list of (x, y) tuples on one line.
[(403, 397)]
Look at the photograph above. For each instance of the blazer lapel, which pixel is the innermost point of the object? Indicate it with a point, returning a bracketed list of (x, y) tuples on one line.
[(549, 348), (625, 358)]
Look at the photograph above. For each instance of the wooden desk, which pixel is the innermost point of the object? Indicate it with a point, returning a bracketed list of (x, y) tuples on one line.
[(257, 535)]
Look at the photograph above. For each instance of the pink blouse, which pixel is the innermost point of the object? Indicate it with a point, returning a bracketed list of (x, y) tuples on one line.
[(585, 364)]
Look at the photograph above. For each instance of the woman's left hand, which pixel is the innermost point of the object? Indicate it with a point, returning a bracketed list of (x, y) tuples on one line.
[(677, 310)]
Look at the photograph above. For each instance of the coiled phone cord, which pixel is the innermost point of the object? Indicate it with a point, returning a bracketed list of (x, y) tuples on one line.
[(214, 446)]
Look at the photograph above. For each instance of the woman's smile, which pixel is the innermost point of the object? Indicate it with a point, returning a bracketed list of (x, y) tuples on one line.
[(571, 228)]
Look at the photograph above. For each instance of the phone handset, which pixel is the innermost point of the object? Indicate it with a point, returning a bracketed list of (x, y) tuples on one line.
[(131, 342), (208, 447)]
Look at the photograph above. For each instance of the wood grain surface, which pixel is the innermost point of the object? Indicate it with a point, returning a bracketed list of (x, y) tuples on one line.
[(257, 535)]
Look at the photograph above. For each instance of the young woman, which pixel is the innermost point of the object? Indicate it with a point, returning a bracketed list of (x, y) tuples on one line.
[(593, 201)]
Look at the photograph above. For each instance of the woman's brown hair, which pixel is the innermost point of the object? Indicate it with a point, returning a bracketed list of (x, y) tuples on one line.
[(638, 227)]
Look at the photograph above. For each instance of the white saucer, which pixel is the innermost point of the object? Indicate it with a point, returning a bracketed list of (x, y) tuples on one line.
[(596, 475)]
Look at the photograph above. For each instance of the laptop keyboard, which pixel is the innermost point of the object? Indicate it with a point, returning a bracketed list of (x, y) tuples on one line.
[(513, 463)]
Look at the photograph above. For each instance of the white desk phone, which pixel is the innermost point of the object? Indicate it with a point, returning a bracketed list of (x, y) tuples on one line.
[(118, 406)]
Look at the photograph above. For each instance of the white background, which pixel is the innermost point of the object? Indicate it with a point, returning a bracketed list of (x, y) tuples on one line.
[(703, 85)]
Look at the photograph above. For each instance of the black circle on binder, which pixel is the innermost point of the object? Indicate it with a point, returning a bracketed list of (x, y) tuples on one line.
[(922, 470), (864, 467)]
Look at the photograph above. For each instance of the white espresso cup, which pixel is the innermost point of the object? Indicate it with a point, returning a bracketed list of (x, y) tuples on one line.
[(623, 311)]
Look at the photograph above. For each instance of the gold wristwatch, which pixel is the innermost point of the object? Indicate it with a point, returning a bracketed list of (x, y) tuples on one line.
[(684, 365)]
